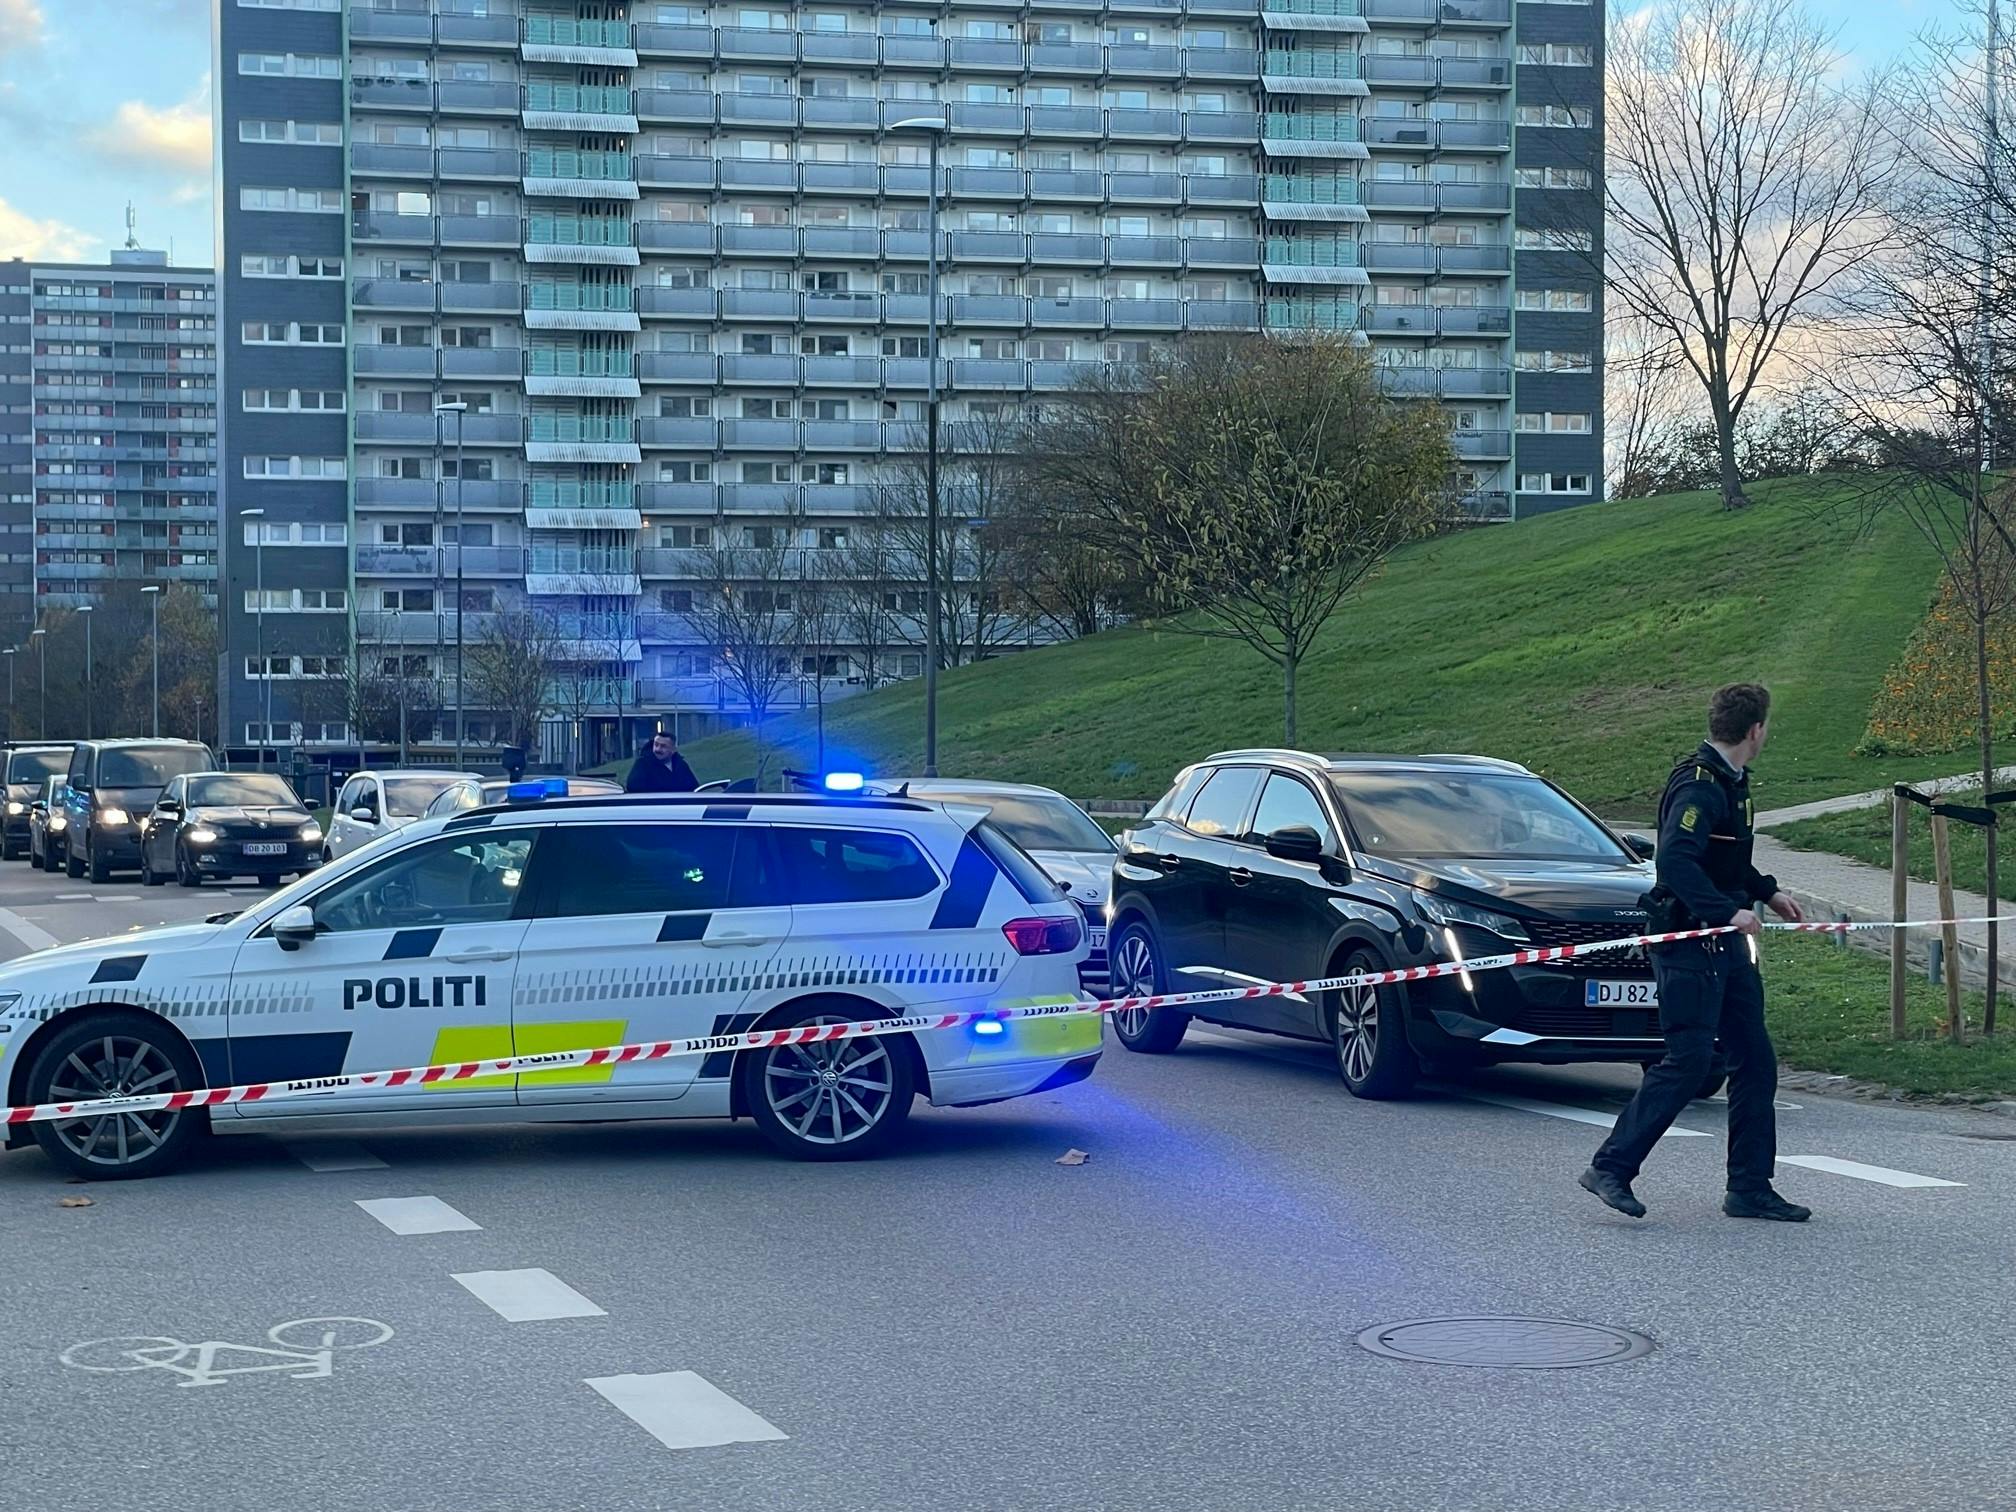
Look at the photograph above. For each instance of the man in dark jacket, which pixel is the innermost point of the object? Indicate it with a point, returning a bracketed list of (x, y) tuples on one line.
[(659, 768), (1709, 987)]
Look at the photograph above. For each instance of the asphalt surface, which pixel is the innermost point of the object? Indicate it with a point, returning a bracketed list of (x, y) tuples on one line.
[(968, 1324)]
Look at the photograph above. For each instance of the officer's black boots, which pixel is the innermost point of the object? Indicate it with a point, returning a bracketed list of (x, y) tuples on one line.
[(1614, 1193), (1764, 1204)]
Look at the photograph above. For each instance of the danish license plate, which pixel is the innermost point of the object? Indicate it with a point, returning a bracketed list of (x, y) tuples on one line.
[(1098, 939), (1620, 994), (279, 848)]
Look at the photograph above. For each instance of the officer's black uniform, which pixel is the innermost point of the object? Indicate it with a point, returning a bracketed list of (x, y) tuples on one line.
[(1706, 986)]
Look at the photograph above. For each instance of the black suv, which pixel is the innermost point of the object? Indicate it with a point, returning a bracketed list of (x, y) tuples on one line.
[(113, 783), (29, 768), (1269, 866)]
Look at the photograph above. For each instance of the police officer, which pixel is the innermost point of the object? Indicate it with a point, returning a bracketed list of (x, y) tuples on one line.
[(1711, 986)]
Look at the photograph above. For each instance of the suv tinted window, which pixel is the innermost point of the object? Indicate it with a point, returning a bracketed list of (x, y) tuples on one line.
[(641, 868), (33, 766), (150, 766), (1285, 802), (1220, 809), (1177, 800), (850, 866)]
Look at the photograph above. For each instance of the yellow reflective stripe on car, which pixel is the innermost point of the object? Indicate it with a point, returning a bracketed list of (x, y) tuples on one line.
[(495, 1041), (1039, 1039)]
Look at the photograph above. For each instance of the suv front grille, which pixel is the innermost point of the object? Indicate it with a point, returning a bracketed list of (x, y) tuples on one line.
[(1630, 962), (1589, 1023)]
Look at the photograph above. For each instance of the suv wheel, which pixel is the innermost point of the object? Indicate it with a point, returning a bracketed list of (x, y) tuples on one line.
[(1137, 972), (96, 865), (106, 1055), (1369, 1036), (841, 1100), (73, 864)]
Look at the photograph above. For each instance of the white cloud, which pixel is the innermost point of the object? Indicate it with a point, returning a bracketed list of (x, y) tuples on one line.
[(22, 25), (23, 236), (194, 192), (176, 137)]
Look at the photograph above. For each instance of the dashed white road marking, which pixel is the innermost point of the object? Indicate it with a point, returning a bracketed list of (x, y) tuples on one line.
[(1574, 1115), (527, 1296), (34, 936), (683, 1410), (335, 1155), (1882, 1175), (114, 898), (417, 1215), (73, 897)]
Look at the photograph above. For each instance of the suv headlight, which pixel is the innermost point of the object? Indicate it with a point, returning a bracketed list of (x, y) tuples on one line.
[(15, 806), (114, 816), (1440, 910)]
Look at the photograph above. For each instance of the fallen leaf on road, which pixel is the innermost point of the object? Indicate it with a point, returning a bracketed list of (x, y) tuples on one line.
[(73, 1202), (1073, 1157)]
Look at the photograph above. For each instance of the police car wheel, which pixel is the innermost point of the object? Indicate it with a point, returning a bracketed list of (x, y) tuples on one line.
[(841, 1100), (1136, 969), (1369, 1036), (110, 1055)]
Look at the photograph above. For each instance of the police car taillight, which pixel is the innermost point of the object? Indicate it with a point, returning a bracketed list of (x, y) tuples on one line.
[(1043, 936)]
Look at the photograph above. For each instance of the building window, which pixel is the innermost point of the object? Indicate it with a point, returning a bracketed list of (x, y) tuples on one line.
[(1575, 301), (1554, 483), (291, 65), (1558, 54), (1552, 422), (1553, 362), (292, 133), (1556, 115), (1553, 178), (1533, 239)]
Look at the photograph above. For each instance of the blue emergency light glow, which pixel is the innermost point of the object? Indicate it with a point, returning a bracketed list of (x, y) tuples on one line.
[(843, 782), (990, 1026), (533, 792)]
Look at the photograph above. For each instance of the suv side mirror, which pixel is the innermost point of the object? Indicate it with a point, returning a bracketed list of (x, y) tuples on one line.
[(295, 927), (364, 814), (1640, 846), (1296, 842)]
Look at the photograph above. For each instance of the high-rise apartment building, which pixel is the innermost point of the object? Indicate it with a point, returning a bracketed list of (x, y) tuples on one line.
[(108, 430), (665, 264)]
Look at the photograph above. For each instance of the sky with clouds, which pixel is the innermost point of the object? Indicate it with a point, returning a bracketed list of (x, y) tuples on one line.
[(105, 101)]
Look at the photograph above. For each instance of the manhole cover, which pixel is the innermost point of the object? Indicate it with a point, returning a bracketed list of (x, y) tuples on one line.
[(1504, 1343)]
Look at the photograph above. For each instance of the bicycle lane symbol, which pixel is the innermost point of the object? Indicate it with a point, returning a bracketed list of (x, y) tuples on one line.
[(303, 1350)]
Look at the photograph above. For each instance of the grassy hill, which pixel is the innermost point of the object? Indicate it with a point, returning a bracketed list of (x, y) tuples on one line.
[(1584, 644)]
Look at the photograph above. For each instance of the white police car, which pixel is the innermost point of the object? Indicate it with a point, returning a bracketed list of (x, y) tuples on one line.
[(570, 923)]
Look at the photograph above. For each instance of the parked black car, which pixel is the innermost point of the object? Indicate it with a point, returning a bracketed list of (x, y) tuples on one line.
[(1267, 866), (112, 783), (226, 824), (47, 825), (29, 768)]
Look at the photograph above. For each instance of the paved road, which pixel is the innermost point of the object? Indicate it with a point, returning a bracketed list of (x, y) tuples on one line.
[(659, 1316)]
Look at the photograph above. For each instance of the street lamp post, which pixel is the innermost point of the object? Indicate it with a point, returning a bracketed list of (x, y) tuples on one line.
[(935, 127), (458, 409), (9, 654), (90, 676), (41, 639), (258, 516), (154, 597)]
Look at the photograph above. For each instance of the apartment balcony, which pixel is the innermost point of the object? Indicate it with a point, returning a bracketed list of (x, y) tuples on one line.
[(397, 230), (1288, 197), (1428, 258), (1284, 134), (679, 432), (1423, 197), (692, 238), (553, 305), (444, 562), (474, 97), (859, 373), (1313, 15), (685, 368), (579, 428), (490, 495), (1439, 13), (1315, 314), (575, 362), (679, 107), (480, 231), (564, 39), (654, 301), (1427, 321), (1481, 445), (482, 362), (571, 174), (1311, 72), (580, 107), (1399, 133), (1415, 381), (568, 493), (398, 294), (376, 360), (675, 498)]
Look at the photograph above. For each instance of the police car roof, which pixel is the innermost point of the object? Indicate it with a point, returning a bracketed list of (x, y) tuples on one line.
[(727, 802), (931, 787)]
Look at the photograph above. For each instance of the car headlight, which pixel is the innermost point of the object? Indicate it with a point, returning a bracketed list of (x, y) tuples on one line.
[(1440, 910), (114, 816), (201, 835), (311, 831), (15, 806), (57, 822)]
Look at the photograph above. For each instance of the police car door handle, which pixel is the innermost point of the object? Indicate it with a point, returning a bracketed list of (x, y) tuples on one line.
[(716, 942), (479, 955)]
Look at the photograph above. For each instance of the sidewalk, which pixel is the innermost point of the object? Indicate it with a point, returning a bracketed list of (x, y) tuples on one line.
[(1831, 887)]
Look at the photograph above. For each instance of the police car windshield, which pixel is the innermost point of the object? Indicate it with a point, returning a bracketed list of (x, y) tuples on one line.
[(237, 789), (35, 766), (149, 766), (408, 797), (1473, 815), (1032, 821)]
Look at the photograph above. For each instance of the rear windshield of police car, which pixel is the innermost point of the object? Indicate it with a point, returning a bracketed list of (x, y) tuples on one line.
[(1033, 822), (1477, 816)]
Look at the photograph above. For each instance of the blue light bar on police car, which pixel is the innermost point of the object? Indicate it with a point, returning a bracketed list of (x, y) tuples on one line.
[(536, 791), (843, 782)]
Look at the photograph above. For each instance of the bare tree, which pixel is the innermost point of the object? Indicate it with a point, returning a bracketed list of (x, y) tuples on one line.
[(874, 574), (1275, 477), (1740, 183), (745, 609), (512, 669)]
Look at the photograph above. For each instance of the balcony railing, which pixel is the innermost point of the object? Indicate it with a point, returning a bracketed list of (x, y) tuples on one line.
[(1312, 252), (549, 294), (615, 561), (1310, 65), (551, 493), (580, 99), (1296, 189), (579, 428), (568, 362), (1312, 314), (579, 230), (1441, 12), (567, 163), (1283, 126), (565, 31)]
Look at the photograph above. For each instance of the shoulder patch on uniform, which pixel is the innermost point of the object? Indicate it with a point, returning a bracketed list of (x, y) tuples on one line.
[(1690, 816)]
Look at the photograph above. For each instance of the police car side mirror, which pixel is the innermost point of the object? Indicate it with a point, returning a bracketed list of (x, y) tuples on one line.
[(1640, 846), (295, 927)]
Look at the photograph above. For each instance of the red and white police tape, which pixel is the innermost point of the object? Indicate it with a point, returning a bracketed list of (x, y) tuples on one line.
[(768, 1039)]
